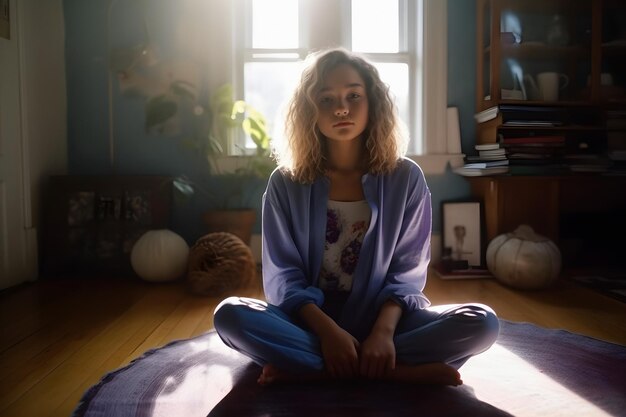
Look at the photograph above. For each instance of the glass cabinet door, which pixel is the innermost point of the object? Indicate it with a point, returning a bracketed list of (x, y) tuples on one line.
[(611, 80), (545, 51), (555, 52)]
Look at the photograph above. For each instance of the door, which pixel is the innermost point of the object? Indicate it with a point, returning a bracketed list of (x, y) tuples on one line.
[(15, 267)]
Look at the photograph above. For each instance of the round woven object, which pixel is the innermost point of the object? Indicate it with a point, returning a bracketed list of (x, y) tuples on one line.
[(219, 262)]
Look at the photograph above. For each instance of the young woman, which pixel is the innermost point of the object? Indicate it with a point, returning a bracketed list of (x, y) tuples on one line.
[(346, 246)]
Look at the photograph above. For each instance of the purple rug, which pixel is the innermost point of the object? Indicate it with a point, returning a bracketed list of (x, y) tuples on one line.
[(530, 371)]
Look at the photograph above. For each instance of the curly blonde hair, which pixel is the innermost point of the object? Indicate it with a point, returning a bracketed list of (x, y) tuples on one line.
[(303, 154)]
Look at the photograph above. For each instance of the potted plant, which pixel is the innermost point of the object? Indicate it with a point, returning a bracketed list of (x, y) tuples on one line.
[(209, 130)]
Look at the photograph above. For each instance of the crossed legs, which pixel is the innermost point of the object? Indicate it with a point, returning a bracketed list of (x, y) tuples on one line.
[(431, 344)]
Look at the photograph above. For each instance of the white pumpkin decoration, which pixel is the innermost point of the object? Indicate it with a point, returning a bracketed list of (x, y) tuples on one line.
[(524, 259), (159, 256)]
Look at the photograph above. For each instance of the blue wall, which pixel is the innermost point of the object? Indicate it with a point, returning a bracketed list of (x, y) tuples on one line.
[(136, 152), (461, 93)]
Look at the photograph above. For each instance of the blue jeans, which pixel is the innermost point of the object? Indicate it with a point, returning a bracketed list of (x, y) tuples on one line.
[(450, 334)]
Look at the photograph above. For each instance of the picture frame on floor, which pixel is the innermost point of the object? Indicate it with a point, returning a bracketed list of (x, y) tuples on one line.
[(93, 221), (462, 234)]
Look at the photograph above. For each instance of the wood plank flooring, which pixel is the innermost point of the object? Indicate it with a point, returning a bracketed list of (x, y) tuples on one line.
[(58, 337)]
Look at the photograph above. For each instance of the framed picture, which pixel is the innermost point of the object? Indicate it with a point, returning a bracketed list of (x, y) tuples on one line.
[(92, 222), (462, 232)]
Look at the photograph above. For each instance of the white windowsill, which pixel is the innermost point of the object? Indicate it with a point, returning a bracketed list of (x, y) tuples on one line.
[(432, 164)]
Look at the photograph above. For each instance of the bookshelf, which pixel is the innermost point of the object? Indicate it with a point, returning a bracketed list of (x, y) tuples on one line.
[(561, 61), (551, 90)]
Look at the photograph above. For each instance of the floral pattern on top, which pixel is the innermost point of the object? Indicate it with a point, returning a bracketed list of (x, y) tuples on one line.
[(333, 228), (346, 225)]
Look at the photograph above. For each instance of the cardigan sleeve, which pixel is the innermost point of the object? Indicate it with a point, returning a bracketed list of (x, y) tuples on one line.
[(407, 272), (285, 279)]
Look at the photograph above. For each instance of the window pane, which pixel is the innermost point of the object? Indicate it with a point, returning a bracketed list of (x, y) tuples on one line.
[(397, 76), (274, 24), (375, 26), (268, 86)]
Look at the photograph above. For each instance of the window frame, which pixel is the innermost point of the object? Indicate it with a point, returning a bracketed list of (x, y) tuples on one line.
[(424, 42)]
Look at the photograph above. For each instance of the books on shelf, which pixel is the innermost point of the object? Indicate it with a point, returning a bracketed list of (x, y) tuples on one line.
[(487, 164), (481, 172), (487, 146), (533, 140), (480, 158), (519, 117), (534, 149), (491, 160), (493, 152), (487, 114), (532, 123)]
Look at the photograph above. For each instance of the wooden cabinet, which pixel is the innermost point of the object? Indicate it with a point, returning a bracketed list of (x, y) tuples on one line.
[(564, 52), (584, 215), (551, 89), (558, 61)]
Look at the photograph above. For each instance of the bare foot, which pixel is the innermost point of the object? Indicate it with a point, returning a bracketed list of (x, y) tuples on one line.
[(271, 374), (430, 373)]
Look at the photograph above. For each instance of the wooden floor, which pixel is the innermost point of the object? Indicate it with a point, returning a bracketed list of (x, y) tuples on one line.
[(58, 337)]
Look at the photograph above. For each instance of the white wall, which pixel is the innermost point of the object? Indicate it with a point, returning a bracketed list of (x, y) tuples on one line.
[(44, 103), (34, 139)]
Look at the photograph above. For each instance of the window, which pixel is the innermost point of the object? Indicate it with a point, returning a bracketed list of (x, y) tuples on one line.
[(272, 38)]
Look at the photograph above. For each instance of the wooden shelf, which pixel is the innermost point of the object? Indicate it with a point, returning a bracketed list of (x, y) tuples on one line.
[(543, 202), (542, 51)]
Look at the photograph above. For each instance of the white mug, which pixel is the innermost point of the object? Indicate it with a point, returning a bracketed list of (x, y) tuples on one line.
[(550, 83)]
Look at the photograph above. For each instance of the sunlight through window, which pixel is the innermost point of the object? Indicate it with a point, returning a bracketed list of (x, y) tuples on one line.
[(517, 382), (283, 32), (397, 76), (274, 24), (375, 26), (194, 391)]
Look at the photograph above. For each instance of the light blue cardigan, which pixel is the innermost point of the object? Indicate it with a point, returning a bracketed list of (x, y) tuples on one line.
[(394, 256)]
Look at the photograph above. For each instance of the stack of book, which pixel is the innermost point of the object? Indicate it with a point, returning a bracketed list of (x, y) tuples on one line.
[(494, 120), (534, 154), (491, 160), (551, 140)]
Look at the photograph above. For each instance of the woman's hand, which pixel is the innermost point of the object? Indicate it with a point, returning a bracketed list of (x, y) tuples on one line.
[(378, 352), (340, 351), (339, 348), (378, 355)]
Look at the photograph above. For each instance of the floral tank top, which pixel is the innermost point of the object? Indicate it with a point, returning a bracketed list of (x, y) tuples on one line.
[(346, 224)]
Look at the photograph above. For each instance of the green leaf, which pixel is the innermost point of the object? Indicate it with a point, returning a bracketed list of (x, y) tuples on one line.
[(159, 109), (239, 107)]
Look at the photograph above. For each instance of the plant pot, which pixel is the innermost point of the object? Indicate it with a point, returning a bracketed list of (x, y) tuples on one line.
[(236, 221)]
